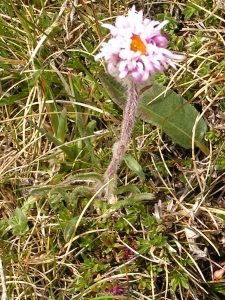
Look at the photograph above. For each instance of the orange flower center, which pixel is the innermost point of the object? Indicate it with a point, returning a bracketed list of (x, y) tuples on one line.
[(137, 44)]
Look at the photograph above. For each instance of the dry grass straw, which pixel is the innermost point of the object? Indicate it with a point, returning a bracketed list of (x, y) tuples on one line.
[(41, 265)]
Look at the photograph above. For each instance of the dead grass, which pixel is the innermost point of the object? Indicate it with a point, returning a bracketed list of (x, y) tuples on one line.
[(71, 245)]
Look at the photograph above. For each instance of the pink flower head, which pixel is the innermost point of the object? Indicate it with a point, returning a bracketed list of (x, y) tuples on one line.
[(117, 291), (137, 47), (128, 253)]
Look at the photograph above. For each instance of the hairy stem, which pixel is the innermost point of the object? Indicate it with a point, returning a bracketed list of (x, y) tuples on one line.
[(127, 127)]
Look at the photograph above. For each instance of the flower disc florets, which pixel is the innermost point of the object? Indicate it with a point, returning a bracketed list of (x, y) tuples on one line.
[(137, 47)]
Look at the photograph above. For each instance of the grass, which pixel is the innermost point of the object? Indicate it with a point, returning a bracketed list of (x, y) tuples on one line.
[(164, 237)]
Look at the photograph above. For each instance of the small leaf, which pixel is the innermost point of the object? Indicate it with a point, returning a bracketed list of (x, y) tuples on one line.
[(134, 200), (107, 297), (19, 222), (12, 99), (35, 77), (134, 166), (40, 191), (163, 108), (52, 108), (4, 65), (131, 188), (62, 126), (69, 230), (91, 127)]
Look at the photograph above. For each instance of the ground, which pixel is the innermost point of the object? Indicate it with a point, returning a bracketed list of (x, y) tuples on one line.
[(163, 235)]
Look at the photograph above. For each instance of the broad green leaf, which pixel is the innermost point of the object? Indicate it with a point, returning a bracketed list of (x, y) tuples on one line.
[(134, 165), (164, 109), (174, 115), (65, 168)]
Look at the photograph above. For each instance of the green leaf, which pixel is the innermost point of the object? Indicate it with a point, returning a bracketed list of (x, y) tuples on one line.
[(162, 108), (13, 98), (35, 77), (19, 222), (174, 115), (5, 66), (69, 230), (134, 166), (52, 108), (62, 127), (54, 140), (131, 188), (133, 200), (177, 279), (91, 127), (220, 163), (218, 287), (115, 90), (106, 297)]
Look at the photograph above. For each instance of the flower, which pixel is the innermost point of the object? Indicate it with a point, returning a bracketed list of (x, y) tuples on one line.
[(117, 291), (137, 47), (128, 253)]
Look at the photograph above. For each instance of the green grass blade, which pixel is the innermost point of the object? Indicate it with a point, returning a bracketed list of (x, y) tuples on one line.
[(62, 128), (54, 140)]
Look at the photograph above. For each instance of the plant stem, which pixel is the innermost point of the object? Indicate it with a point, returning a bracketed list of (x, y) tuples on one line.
[(127, 127)]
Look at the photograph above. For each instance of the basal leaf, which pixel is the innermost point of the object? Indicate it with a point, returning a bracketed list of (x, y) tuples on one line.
[(164, 109), (134, 165)]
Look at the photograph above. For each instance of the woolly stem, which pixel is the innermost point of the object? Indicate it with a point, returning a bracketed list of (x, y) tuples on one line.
[(127, 127)]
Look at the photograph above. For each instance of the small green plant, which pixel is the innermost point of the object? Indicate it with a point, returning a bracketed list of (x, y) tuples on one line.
[(18, 222)]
